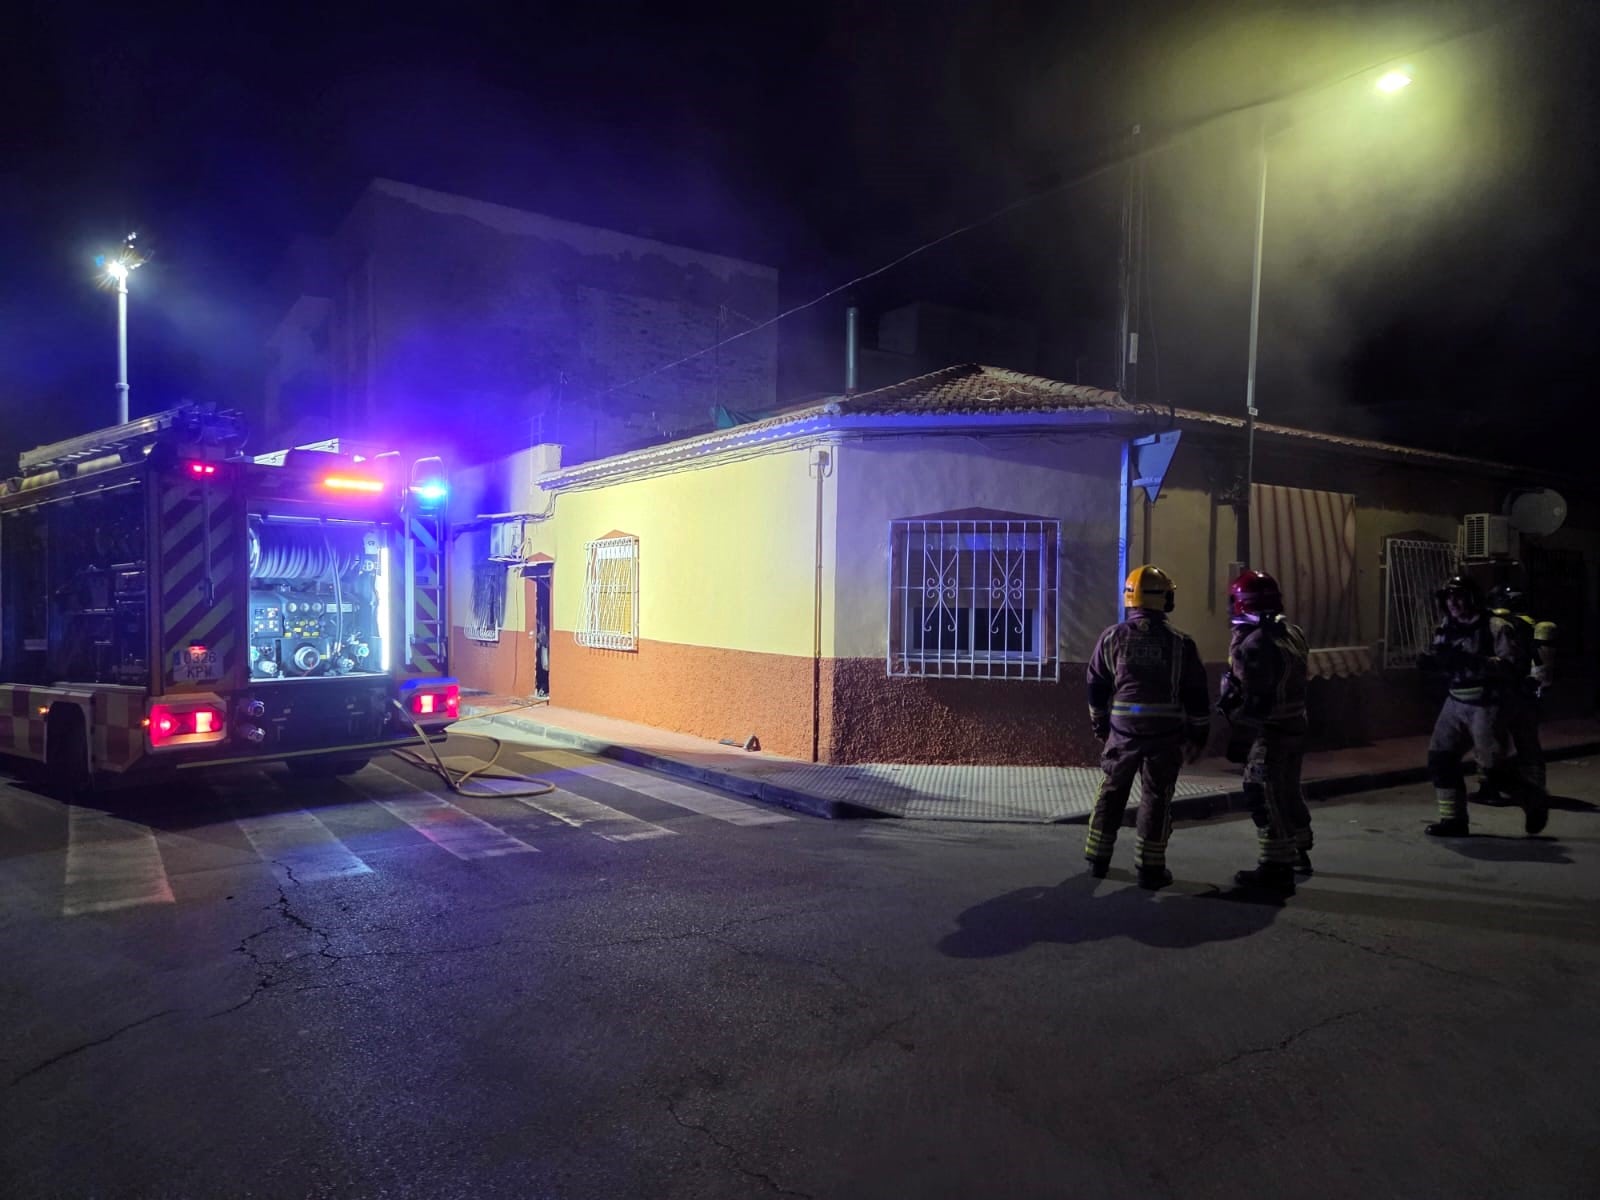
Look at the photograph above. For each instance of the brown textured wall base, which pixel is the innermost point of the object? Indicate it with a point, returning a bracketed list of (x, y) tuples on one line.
[(503, 668), (711, 693), (979, 721), (869, 717)]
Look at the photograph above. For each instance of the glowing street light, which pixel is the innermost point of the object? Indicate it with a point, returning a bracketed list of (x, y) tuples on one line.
[(1389, 83), (117, 268)]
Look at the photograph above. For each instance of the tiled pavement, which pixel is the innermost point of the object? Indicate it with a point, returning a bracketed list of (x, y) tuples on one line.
[(955, 793)]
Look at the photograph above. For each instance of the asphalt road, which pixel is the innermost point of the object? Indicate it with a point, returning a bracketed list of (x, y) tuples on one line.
[(633, 988)]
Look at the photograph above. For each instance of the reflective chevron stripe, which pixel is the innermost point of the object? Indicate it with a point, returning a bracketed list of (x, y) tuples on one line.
[(201, 559)]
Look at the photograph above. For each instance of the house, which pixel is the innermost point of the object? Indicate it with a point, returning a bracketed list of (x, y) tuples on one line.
[(918, 573), (458, 327)]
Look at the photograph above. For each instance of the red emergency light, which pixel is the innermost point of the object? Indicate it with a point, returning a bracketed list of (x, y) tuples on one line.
[(201, 470), (352, 483), (440, 702), (185, 725)]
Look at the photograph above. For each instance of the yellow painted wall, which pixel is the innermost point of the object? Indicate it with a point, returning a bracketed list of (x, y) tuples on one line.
[(726, 552), (1070, 478)]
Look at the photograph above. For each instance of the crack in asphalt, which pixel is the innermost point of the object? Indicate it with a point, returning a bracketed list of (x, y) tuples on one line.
[(732, 1153), (1385, 952), (269, 974), (1281, 1044), (89, 1045)]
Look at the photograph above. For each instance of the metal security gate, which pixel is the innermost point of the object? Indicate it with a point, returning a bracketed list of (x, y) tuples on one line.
[(1414, 569)]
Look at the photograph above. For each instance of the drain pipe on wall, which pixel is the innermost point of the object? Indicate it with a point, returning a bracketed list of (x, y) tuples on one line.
[(821, 466), (1123, 500)]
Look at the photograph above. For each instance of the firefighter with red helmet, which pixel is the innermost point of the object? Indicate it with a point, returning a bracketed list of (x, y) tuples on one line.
[(1485, 661), (1148, 704), (1264, 697)]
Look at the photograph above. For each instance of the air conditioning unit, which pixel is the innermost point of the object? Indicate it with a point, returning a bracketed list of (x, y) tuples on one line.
[(505, 541), (1487, 535)]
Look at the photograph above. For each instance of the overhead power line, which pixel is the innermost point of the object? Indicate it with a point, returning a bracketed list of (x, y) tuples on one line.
[(1053, 184)]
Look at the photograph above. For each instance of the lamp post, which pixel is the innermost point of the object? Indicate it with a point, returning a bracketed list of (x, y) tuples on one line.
[(117, 268), (1390, 82)]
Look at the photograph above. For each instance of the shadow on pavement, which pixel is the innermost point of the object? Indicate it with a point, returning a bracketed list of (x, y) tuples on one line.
[(1572, 804), (1505, 847), (1084, 909)]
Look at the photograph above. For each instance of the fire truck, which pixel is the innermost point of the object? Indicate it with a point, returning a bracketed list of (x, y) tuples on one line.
[(168, 604)]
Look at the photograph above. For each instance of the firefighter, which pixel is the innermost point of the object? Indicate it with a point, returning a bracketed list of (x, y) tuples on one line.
[(1523, 704), (1484, 660), (1264, 696), (1148, 704)]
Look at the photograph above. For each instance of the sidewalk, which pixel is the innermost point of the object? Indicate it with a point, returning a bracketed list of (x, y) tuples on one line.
[(953, 793)]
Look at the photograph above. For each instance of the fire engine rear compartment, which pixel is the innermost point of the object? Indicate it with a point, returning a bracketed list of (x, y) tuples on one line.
[(162, 611), (320, 596)]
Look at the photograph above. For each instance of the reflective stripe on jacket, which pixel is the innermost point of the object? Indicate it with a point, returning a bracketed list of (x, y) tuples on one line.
[(1145, 677)]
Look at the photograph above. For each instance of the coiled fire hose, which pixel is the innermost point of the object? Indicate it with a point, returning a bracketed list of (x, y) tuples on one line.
[(456, 780)]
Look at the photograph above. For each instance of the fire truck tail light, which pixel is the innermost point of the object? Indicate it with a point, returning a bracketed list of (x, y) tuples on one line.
[(202, 470), (352, 483), (176, 725), (440, 702)]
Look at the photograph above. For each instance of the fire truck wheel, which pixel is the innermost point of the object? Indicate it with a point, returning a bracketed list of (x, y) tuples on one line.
[(67, 753), (325, 768)]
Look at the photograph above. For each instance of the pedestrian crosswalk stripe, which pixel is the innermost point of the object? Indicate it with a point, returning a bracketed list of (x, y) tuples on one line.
[(580, 812), (111, 864), (707, 804), (435, 818), (303, 846)]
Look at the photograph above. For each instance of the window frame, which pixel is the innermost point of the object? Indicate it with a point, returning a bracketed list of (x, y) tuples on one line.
[(623, 594), (1021, 558)]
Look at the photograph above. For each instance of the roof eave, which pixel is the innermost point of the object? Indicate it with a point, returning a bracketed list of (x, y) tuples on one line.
[(826, 421)]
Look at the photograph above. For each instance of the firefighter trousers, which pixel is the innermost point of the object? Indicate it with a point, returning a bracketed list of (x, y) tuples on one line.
[(1522, 727), (1156, 761), (1483, 729), (1273, 792)]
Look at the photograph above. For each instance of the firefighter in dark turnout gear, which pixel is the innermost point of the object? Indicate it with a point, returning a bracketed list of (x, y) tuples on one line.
[(1522, 704), (1148, 703), (1484, 660), (1264, 696)]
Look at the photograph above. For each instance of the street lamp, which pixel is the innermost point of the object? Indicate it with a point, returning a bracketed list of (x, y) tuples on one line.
[(1388, 83), (117, 268)]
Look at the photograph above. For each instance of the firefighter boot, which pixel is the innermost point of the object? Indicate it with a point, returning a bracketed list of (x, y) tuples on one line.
[(1277, 878), (1099, 866), (1452, 820), (1153, 879), (1535, 813), (1302, 863)]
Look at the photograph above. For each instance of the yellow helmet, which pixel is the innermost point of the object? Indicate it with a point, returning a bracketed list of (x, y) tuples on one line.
[(1149, 588)]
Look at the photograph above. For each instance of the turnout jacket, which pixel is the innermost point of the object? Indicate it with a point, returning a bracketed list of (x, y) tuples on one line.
[(1484, 657), (1145, 678), (1266, 679)]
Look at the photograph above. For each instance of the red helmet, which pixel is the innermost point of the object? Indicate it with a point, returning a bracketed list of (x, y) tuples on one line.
[(1254, 595)]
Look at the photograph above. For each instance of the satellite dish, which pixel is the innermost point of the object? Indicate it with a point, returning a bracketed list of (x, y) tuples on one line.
[(1538, 511)]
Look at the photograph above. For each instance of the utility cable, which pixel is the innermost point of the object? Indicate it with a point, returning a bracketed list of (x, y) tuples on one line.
[(1053, 185), (456, 780)]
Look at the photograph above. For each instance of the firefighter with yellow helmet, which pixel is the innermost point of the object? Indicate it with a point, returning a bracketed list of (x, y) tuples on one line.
[(1148, 703), (1264, 698)]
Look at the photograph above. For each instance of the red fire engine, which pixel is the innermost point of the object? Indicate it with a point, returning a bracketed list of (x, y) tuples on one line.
[(168, 604)]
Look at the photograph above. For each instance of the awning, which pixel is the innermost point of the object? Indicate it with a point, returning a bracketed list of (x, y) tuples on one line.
[(1339, 661)]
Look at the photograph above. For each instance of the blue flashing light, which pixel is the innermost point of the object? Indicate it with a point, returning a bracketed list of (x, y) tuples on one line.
[(429, 493)]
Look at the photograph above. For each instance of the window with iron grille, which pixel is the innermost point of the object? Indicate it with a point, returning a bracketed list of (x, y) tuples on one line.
[(611, 595), (974, 597)]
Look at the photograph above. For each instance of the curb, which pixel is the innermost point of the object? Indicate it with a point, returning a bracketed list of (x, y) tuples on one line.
[(1185, 808), (739, 785), (1218, 803)]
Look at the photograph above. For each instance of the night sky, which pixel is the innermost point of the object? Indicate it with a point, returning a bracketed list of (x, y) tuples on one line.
[(1430, 257)]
